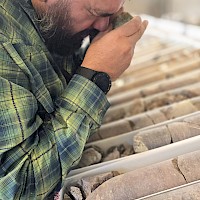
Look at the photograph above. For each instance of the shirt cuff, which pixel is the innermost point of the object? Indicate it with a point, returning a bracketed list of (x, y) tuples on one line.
[(82, 95)]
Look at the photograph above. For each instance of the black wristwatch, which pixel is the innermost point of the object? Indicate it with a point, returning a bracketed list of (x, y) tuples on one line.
[(101, 79)]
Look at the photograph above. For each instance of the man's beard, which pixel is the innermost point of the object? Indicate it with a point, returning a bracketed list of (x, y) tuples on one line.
[(57, 30)]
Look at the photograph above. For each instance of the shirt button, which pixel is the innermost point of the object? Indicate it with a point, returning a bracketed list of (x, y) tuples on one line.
[(100, 112)]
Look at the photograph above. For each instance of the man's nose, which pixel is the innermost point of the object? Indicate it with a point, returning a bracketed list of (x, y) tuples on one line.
[(101, 24)]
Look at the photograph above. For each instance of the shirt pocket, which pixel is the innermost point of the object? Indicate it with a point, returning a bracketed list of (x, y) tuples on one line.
[(32, 61)]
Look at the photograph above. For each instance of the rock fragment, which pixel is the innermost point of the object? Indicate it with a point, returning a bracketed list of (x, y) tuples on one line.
[(90, 156), (66, 197), (112, 155), (179, 109), (182, 130), (151, 139), (76, 193), (89, 184), (189, 166)]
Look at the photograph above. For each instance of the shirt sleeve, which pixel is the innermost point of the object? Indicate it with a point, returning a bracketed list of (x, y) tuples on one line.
[(37, 152)]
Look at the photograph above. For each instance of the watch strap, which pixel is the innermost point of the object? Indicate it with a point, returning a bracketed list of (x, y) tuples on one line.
[(86, 72)]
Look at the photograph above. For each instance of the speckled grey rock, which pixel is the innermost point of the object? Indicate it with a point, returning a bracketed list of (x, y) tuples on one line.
[(121, 19)]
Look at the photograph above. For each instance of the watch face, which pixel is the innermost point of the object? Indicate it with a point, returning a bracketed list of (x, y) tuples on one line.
[(102, 80)]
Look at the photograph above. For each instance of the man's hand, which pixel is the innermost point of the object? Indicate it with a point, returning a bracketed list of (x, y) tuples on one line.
[(112, 51)]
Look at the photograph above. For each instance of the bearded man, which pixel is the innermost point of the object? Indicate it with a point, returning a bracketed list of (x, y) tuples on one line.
[(51, 100)]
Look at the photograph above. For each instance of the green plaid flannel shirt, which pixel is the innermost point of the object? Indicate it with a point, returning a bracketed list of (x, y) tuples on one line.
[(44, 122)]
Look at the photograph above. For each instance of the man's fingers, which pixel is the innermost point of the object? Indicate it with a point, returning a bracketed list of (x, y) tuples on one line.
[(137, 35), (133, 30)]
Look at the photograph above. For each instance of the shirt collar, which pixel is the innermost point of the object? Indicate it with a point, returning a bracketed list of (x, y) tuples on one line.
[(27, 6)]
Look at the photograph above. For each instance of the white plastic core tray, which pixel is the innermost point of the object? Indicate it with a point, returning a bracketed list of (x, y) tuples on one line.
[(166, 29), (135, 161)]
